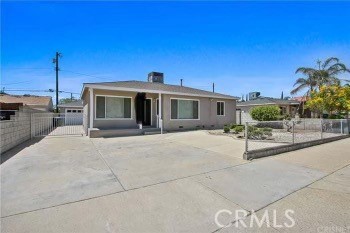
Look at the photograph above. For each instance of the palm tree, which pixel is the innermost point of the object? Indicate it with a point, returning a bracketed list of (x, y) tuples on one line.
[(325, 74), (303, 83), (308, 83)]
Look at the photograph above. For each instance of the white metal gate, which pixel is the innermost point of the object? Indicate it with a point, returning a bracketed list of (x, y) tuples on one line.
[(56, 124)]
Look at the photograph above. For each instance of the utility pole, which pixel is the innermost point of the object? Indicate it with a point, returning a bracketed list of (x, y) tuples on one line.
[(319, 64), (71, 97), (181, 81), (213, 87), (55, 61)]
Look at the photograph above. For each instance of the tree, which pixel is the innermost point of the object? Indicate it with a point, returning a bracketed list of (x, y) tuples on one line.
[(333, 99), (265, 113), (325, 74), (67, 100), (302, 83)]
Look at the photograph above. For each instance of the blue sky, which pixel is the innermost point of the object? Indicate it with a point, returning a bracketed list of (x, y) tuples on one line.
[(241, 46)]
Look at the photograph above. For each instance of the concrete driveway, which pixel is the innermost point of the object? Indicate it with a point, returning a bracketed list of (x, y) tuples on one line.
[(59, 170), (157, 183)]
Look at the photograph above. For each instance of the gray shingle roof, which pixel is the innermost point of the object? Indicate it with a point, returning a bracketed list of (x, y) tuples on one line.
[(161, 87), (267, 101), (77, 103)]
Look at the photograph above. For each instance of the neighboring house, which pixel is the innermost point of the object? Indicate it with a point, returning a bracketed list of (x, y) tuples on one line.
[(8, 109), (76, 106), (303, 112), (288, 107), (73, 112), (135, 106), (40, 103)]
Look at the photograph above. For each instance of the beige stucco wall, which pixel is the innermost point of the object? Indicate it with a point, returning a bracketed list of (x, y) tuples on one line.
[(207, 116), (207, 106), (121, 123)]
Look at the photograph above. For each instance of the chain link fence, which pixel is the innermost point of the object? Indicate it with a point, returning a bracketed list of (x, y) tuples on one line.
[(265, 134)]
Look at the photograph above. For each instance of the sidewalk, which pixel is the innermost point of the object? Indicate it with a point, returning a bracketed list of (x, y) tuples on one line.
[(323, 206)]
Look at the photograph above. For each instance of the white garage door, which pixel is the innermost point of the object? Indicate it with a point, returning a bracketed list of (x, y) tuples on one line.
[(73, 116)]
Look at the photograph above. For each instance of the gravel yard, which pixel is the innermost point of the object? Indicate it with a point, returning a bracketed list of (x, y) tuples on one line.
[(278, 137)]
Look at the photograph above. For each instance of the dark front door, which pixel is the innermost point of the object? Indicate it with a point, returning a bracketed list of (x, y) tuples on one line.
[(147, 112)]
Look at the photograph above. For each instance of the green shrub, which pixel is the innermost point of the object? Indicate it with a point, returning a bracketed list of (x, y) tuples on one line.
[(267, 130), (271, 124), (226, 129), (285, 117), (255, 134), (265, 113), (252, 128), (259, 133), (239, 128), (232, 126), (336, 116)]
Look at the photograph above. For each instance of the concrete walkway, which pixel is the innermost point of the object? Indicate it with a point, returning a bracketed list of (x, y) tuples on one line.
[(168, 183)]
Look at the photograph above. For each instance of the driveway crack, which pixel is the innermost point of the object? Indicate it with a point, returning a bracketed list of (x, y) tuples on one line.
[(105, 162)]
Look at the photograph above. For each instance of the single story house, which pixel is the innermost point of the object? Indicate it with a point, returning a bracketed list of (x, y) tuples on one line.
[(137, 107), (76, 106), (288, 107), (39, 103), (73, 112), (303, 111)]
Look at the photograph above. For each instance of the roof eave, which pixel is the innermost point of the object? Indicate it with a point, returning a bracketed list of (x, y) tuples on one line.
[(96, 86), (65, 106), (244, 105)]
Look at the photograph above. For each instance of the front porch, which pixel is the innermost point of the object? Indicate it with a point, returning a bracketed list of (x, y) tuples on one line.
[(123, 113), (104, 133)]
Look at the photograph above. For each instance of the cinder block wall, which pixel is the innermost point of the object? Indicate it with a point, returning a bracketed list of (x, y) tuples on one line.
[(16, 130)]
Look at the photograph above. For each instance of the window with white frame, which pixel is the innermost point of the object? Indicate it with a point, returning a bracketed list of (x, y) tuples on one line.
[(220, 108), (113, 107), (184, 109)]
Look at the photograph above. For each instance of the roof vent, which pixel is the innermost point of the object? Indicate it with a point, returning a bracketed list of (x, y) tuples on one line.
[(156, 77)]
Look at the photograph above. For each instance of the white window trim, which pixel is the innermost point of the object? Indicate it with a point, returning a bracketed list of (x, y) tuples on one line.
[(217, 108), (104, 119), (199, 110)]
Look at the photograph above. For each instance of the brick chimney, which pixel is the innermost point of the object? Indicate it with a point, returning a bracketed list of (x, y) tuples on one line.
[(156, 77)]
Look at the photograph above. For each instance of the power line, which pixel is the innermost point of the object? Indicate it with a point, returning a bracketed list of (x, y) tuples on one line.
[(49, 90), (5, 90), (68, 71), (88, 75), (17, 68), (14, 83)]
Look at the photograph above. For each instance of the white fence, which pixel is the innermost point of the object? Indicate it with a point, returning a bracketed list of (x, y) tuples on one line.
[(56, 124)]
